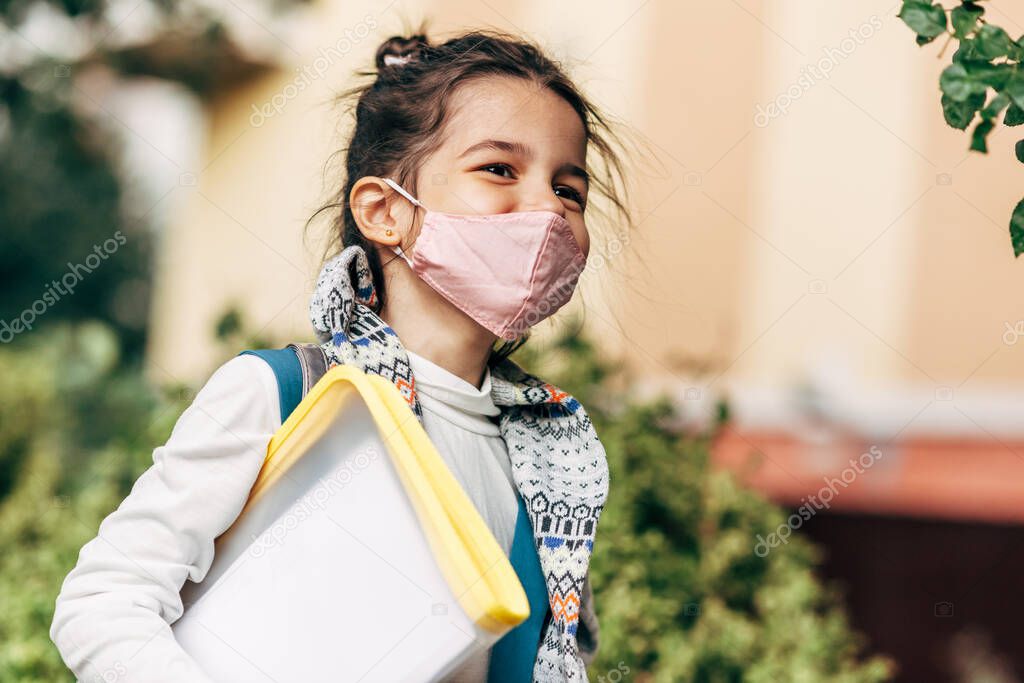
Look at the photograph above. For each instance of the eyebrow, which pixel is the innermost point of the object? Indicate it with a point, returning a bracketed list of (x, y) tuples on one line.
[(523, 150)]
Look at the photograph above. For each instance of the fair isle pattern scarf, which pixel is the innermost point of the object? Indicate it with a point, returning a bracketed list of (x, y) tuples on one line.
[(558, 462)]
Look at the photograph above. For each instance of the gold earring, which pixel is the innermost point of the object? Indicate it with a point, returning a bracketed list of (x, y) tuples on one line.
[(389, 232)]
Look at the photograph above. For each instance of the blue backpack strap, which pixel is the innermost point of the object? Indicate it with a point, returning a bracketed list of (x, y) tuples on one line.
[(285, 365), (513, 656)]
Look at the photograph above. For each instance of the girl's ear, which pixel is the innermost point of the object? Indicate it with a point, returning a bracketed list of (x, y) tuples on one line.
[(376, 211)]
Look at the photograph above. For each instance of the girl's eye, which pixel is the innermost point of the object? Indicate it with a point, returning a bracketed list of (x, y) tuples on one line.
[(501, 169), (573, 194)]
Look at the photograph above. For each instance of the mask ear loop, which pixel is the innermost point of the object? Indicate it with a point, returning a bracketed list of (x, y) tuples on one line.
[(400, 190)]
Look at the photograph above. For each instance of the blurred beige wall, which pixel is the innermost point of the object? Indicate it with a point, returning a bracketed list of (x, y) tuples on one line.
[(850, 241)]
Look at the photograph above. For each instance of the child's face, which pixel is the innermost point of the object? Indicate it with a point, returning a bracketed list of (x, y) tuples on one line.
[(474, 171)]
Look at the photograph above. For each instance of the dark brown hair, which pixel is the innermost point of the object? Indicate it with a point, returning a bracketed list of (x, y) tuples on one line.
[(400, 115)]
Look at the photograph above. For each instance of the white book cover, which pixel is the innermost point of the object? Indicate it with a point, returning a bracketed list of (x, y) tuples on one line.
[(358, 557)]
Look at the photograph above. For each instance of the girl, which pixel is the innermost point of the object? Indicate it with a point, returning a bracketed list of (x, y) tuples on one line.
[(461, 224)]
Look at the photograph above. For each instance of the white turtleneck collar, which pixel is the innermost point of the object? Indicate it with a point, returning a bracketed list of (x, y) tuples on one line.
[(454, 399)]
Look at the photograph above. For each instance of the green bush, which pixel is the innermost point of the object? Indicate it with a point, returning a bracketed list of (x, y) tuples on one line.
[(75, 432)]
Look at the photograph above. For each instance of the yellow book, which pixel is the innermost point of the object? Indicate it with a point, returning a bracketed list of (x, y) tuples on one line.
[(357, 556)]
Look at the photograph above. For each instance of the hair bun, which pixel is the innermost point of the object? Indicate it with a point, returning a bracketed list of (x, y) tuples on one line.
[(398, 51)]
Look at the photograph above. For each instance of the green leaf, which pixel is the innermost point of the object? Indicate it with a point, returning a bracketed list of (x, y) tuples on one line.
[(965, 52), (959, 84), (960, 114), (992, 42), (965, 19), (998, 103), (955, 83), (1017, 229), (1019, 149), (1016, 52), (923, 18), (1014, 116), (924, 40), (979, 136), (973, 6), (228, 324), (995, 75), (1015, 89)]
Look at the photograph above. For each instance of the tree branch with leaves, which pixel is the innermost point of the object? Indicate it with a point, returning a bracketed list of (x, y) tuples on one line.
[(986, 59)]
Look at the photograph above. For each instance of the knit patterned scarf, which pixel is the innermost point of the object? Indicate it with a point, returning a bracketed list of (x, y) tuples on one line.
[(558, 462)]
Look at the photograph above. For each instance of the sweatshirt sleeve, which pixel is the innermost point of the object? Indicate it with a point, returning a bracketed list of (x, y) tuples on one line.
[(113, 614)]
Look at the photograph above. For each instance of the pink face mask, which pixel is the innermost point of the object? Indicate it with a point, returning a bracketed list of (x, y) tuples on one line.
[(507, 271)]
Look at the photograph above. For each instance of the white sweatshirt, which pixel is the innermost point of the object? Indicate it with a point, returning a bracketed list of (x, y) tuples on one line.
[(113, 614)]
